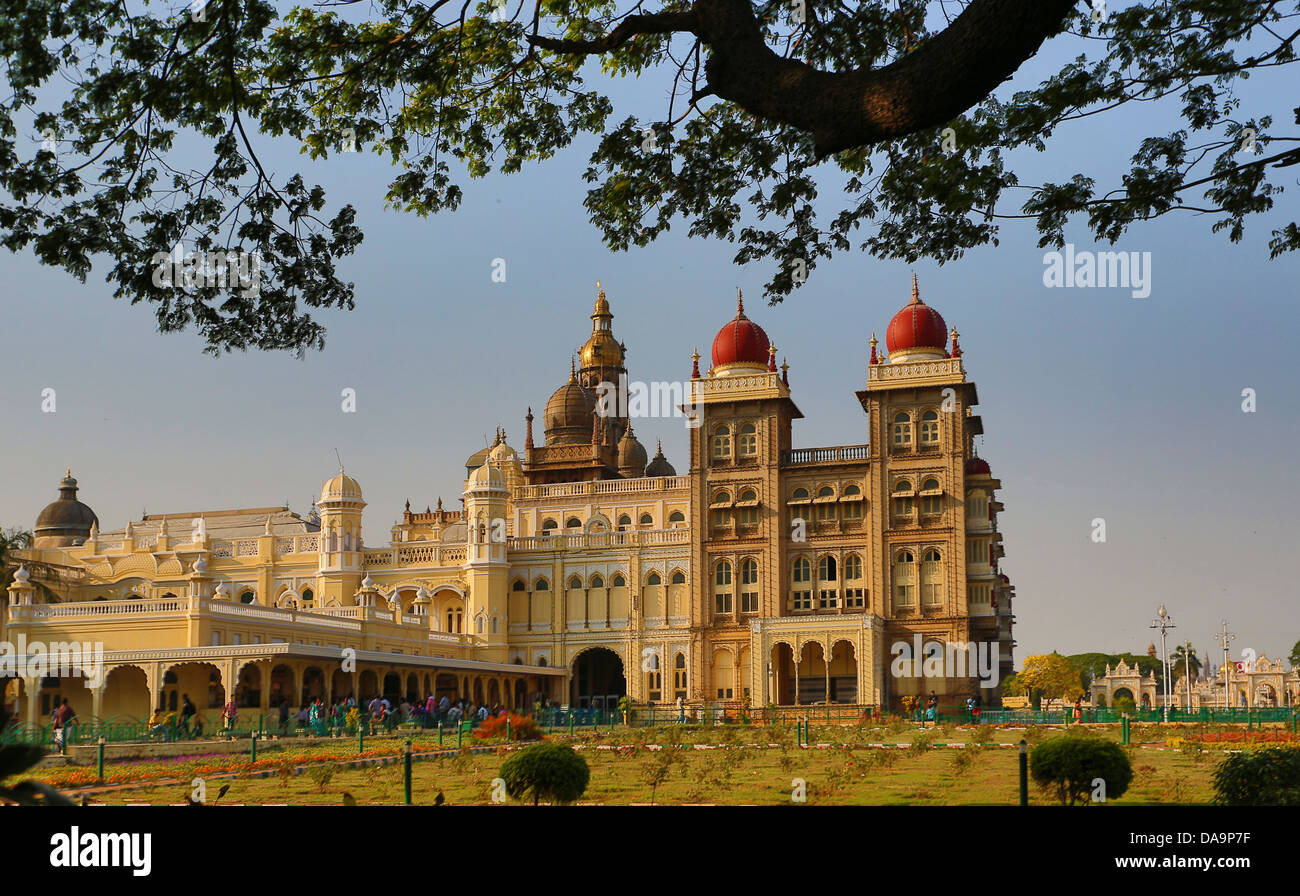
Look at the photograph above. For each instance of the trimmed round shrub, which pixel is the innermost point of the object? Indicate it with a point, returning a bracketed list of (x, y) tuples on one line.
[(1269, 777), (550, 772), (1069, 766)]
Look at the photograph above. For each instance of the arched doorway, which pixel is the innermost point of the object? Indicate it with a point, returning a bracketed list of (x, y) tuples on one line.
[(598, 679), (814, 681), (313, 684), (126, 693), (282, 690), (783, 674), (248, 689), (393, 687), (844, 673)]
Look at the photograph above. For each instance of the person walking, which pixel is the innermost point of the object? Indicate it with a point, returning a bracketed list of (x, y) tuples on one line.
[(63, 717), (229, 713), (188, 711)]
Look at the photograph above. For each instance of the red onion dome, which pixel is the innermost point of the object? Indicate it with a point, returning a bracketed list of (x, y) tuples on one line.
[(917, 326), (741, 341), (978, 466)]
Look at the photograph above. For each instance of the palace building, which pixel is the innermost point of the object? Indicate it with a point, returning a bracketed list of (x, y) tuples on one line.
[(579, 569)]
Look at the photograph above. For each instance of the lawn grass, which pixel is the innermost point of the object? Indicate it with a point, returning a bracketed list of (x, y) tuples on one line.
[(738, 766)]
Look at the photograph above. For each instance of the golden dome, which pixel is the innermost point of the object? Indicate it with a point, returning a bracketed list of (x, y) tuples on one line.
[(601, 348), (568, 414)]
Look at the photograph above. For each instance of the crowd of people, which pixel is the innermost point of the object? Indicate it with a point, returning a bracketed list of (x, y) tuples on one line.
[(380, 712)]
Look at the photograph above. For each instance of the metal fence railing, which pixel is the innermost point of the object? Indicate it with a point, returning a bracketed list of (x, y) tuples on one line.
[(125, 729)]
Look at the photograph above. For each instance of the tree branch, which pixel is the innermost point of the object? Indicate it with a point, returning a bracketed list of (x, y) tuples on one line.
[(632, 26)]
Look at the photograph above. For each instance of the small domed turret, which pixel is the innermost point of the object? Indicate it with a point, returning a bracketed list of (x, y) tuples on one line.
[(341, 487), (916, 332), (631, 456), (659, 465), (741, 345), (65, 522)]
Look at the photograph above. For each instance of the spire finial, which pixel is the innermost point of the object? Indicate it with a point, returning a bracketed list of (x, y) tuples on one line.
[(661, 446), (573, 368), (874, 343), (695, 364), (740, 303), (771, 359), (916, 293), (69, 474)]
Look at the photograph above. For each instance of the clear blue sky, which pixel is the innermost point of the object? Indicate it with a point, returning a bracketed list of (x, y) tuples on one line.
[(1095, 404)]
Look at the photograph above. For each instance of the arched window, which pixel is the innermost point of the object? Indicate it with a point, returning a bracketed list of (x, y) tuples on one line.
[(852, 501), (541, 661), (902, 430), (904, 579), (518, 585), (653, 579), (479, 625), (825, 503), (676, 517), (931, 579), (828, 592), (722, 509), (801, 577), (597, 582), (541, 585), (722, 600), (246, 597), (852, 567), (575, 583), (573, 523), (722, 443), (679, 676), (307, 595), (618, 581), (647, 519), (624, 521), (903, 498), (549, 525), (654, 678), (679, 578), (748, 505), (930, 429), (748, 441), (749, 586), (826, 569), (800, 494), (931, 498), (855, 592)]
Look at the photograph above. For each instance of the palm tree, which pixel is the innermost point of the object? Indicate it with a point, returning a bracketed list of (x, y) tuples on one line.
[(1184, 657), (11, 540)]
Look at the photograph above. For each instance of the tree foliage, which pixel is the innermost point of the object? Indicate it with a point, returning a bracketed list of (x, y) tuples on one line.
[(903, 105), (551, 772), (1068, 767), (1052, 675), (1268, 777)]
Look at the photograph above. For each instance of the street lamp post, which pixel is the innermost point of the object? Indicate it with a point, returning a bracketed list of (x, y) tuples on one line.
[(1224, 640), (1163, 622)]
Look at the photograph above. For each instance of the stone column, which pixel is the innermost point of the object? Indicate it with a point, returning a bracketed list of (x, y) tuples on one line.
[(32, 689), (97, 703)]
